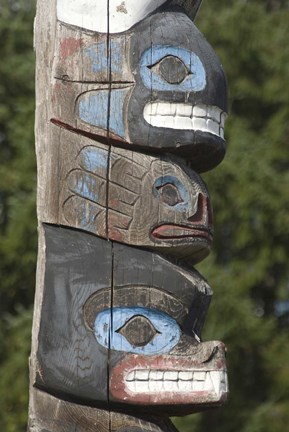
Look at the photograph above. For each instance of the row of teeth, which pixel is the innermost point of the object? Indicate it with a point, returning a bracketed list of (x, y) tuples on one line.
[(142, 381), (185, 116)]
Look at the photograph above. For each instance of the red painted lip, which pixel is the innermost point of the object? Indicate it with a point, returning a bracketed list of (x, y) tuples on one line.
[(169, 232), (122, 373)]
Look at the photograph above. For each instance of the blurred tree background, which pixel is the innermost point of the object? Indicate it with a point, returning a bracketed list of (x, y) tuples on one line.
[(248, 268)]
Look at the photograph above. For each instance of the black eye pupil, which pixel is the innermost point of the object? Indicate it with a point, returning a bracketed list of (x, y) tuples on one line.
[(138, 331), (170, 195), (173, 70)]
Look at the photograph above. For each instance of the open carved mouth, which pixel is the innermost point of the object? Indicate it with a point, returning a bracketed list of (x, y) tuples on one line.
[(171, 232), (143, 381), (168, 379), (186, 117)]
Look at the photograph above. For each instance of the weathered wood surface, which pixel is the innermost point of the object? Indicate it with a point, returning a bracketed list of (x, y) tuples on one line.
[(50, 414), (155, 356), (129, 197), (131, 105)]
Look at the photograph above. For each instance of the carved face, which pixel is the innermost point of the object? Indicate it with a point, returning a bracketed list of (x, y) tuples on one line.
[(180, 97), (152, 361), (152, 86), (151, 202), (141, 320)]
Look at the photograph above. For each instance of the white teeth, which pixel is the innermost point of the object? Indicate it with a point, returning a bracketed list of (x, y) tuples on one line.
[(200, 123), (198, 386), (142, 375), (156, 375), (216, 379), (171, 376), (209, 383), (199, 376), (186, 376), (156, 381), (185, 386), (213, 126), (186, 117), (200, 111)]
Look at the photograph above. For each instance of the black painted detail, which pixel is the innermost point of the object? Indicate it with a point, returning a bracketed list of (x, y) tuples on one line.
[(139, 331), (173, 70)]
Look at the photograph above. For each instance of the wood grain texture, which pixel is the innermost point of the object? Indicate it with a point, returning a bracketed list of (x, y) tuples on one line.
[(131, 103), (122, 91), (129, 197), (51, 414), (71, 357)]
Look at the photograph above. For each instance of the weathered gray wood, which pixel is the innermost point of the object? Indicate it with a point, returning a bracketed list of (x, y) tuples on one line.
[(129, 197), (70, 358), (121, 90), (51, 414), (129, 97)]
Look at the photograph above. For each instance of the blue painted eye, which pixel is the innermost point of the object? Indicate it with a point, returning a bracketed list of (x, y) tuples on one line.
[(171, 191), (136, 330), (170, 68)]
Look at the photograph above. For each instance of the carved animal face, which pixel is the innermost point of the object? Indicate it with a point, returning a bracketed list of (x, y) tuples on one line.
[(152, 361), (139, 319), (138, 200), (180, 96), (158, 85)]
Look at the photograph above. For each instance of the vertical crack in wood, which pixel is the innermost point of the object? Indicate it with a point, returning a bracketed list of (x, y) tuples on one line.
[(108, 50)]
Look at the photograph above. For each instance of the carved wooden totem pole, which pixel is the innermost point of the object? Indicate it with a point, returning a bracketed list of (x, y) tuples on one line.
[(131, 106)]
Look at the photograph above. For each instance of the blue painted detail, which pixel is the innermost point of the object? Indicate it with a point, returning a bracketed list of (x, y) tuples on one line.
[(94, 159), (84, 218), (87, 186), (109, 321), (93, 109), (183, 192), (195, 81), (100, 62)]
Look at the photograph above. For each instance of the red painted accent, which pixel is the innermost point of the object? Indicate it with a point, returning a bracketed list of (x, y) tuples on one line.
[(162, 232), (69, 46), (115, 235), (208, 360), (103, 139), (199, 226)]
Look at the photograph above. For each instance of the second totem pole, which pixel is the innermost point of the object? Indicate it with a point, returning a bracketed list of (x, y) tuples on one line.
[(131, 106)]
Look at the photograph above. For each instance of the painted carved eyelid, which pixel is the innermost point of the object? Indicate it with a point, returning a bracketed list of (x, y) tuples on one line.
[(194, 68), (170, 200), (163, 324)]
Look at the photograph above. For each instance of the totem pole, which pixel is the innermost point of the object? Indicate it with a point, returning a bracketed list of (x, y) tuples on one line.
[(131, 106)]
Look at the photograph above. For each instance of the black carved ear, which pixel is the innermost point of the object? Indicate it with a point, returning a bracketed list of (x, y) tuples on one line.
[(191, 6)]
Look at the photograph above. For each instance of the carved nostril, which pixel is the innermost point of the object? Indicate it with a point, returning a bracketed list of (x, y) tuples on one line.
[(203, 214)]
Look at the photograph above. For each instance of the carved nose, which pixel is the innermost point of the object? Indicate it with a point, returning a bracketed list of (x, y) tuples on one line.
[(204, 213)]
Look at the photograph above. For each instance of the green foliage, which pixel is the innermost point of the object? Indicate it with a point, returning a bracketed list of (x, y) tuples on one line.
[(16, 334), (248, 266), (17, 209), (17, 160), (17, 169)]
